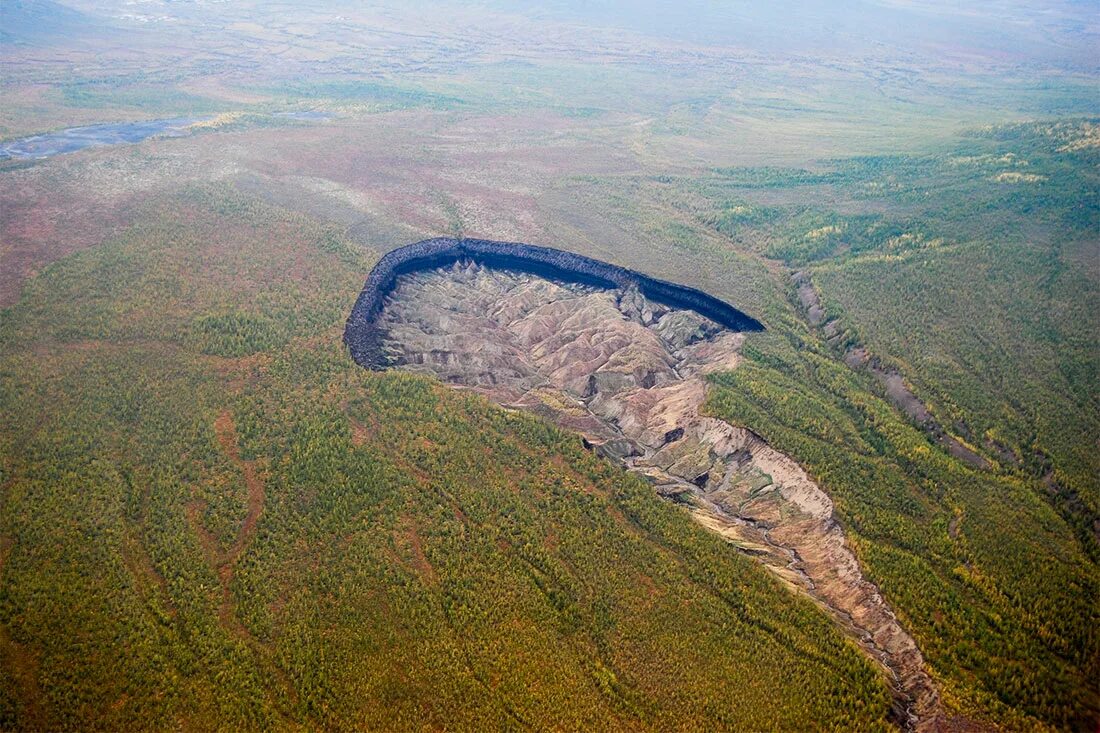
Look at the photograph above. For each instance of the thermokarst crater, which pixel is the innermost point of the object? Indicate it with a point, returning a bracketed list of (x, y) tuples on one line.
[(622, 359)]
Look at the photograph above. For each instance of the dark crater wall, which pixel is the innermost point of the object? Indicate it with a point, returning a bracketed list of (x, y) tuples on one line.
[(363, 335)]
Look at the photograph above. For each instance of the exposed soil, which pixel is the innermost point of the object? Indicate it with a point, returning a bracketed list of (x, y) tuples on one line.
[(411, 550), (363, 334), (226, 432), (628, 374), (18, 662), (225, 561), (137, 561)]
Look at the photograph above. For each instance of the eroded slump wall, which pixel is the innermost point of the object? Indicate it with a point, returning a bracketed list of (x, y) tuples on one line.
[(363, 336), (629, 375)]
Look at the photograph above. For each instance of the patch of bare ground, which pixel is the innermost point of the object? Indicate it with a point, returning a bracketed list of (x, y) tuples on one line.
[(242, 371), (410, 550), (207, 541), (149, 582), (224, 562), (20, 665), (953, 527), (226, 432), (630, 376), (362, 434)]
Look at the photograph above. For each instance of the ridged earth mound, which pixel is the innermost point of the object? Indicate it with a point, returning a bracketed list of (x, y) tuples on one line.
[(629, 374)]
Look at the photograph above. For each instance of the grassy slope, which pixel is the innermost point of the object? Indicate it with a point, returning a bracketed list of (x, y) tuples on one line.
[(974, 271), (983, 293), (980, 568), (981, 288), (211, 517)]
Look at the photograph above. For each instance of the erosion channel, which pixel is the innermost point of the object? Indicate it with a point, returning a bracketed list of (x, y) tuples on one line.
[(622, 359)]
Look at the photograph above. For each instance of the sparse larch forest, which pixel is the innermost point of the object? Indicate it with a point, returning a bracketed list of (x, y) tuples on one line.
[(212, 518)]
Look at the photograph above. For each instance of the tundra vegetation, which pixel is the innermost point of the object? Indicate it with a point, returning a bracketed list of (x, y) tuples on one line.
[(412, 555), (211, 517), (996, 327)]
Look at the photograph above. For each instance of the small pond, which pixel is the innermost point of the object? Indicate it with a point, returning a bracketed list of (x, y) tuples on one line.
[(77, 138)]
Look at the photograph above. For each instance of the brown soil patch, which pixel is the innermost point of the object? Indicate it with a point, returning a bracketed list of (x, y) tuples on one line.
[(646, 582), (226, 432), (140, 565), (21, 669), (407, 541), (360, 433), (209, 544), (224, 563)]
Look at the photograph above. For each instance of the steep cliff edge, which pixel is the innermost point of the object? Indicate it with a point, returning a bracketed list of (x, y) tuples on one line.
[(363, 337), (628, 373)]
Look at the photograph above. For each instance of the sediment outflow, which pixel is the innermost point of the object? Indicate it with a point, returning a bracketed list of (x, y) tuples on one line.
[(364, 338), (629, 375)]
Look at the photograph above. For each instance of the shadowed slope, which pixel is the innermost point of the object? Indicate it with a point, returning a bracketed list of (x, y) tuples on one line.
[(364, 338)]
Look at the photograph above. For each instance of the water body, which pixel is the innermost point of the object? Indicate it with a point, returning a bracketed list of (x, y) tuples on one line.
[(310, 114), (73, 139)]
